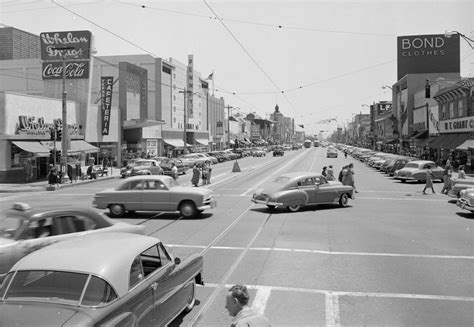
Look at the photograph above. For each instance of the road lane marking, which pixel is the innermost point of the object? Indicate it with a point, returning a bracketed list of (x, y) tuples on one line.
[(332, 310), (356, 294), (273, 174), (373, 254), (261, 298), (402, 199)]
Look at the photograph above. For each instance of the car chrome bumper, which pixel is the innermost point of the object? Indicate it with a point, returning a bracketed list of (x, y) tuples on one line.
[(211, 205), (268, 203), (463, 204)]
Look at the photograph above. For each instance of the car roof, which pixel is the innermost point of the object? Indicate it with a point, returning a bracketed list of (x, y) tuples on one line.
[(108, 255)]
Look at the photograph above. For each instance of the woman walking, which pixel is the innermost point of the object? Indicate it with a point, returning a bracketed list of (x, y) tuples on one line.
[(205, 173), (196, 175), (429, 181), (461, 172), (447, 178)]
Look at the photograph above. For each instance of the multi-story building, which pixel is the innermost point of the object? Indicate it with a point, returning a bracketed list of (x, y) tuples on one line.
[(18, 44)]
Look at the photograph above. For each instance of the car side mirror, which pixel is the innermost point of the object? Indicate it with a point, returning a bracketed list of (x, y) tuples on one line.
[(177, 261)]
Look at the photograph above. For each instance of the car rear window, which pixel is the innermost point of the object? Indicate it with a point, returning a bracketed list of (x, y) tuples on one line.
[(9, 226), (98, 292)]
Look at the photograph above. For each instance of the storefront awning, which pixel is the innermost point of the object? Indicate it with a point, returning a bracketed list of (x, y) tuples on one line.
[(390, 140), (420, 135), (177, 143), (466, 145), (77, 147), (449, 141), (203, 141), (34, 147)]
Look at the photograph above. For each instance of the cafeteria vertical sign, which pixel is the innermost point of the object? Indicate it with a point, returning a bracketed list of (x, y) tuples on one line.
[(106, 85)]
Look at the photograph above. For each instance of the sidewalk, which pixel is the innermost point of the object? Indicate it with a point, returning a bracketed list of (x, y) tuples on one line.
[(42, 185)]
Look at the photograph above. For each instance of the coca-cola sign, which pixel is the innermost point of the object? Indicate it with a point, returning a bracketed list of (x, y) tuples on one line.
[(65, 45), (74, 69)]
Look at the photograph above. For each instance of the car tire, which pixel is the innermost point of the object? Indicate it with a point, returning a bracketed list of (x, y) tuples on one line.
[(188, 209), (343, 200), (294, 208), (192, 301), (116, 210)]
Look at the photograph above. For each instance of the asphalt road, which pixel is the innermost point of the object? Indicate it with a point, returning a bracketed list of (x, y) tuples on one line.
[(393, 257)]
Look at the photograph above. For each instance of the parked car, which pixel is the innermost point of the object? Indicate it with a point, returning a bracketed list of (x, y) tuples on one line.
[(466, 199), (331, 153), (416, 171), (126, 170), (232, 155), (146, 167), (113, 279), (167, 164), (295, 190), (154, 193), (398, 164), (458, 185), (218, 155), (24, 229), (278, 151)]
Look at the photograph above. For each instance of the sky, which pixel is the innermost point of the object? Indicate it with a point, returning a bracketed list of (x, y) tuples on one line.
[(318, 60)]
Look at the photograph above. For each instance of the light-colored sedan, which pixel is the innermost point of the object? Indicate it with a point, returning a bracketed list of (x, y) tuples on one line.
[(24, 229), (295, 190), (331, 153), (457, 185), (146, 167), (416, 171), (113, 279), (155, 193), (466, 199)]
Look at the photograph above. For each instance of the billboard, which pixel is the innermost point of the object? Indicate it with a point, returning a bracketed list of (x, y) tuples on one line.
[(435, 53), (106, 85), (69, 45), (74, 69)]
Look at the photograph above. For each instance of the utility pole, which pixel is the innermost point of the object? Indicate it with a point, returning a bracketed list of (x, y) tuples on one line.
[(228, 124), (185, 121)]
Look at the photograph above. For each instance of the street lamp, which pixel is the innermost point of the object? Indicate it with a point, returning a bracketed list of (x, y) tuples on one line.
[(387, 87)]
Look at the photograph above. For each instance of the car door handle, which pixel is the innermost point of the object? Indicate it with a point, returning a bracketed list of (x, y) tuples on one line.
[(154, 286)]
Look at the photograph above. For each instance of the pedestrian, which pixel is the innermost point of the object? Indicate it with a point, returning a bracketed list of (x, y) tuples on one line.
[(204, 173), (52, 176), (350, 176), (209, 171), (174, 171), (28, 171), (345, 153), (237, 301), (447, 172), (71, 172), (461, 172), (330, 174), (429, 181), (91, 172), (78, 170), (196, 175), (341, 174), (325, 171)]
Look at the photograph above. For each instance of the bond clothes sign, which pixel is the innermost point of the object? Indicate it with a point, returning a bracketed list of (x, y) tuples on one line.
[(106, 85), (428, 54), (69, 45), (465, 124), (74, 69)]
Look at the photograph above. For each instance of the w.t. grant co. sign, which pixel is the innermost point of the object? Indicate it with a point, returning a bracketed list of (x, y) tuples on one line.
[(457, 125)]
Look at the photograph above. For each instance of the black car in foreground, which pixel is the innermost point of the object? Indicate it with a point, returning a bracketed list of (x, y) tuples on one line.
[(278, 152)]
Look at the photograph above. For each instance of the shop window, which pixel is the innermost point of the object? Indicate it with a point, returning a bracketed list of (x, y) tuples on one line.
[(174, 119), (443, 111), (460, 113), (451, 110)]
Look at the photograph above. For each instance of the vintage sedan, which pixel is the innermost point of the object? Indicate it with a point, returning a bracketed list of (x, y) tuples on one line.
[(278, 151), (155, 193), (458, 185), (167, 164), (24, 229), (114, 279), (466, 199), (331, 152), (295, 190), (416, 171), (146, 167)]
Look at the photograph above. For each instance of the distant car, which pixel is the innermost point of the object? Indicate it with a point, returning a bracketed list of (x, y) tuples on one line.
[(24, 229), (295, 147), (295, 190), (146, 167), (167, 164), (416, 171), (113, 279), (331, 153), (466, 199), (278, 152), (154, 193)]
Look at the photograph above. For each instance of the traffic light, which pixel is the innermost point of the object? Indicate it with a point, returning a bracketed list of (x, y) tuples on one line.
[(52, 132), (59, 134), (427, 90)]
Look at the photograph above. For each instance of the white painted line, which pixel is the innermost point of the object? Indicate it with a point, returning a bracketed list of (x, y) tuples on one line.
[(261, 298), (332, 310), (272, 174), (374, 254), (357, 294), (403, 199)]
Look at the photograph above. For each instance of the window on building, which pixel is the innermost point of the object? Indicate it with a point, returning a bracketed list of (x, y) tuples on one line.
[(174, 108), (174, 86), (460, 109), (174, 119), (174, 75), (451, 110), (166, 70), (174, 97), (443, 111)]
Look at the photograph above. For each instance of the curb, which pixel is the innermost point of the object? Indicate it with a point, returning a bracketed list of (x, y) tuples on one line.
[(22, 189)]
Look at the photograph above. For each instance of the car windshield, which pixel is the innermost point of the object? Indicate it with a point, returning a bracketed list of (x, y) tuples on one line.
[(144, 163), (9, 226), (411, 165), (59, 286)]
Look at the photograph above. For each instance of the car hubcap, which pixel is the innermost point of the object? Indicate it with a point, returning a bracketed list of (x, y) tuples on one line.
[(187, 210), (116, 209)]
